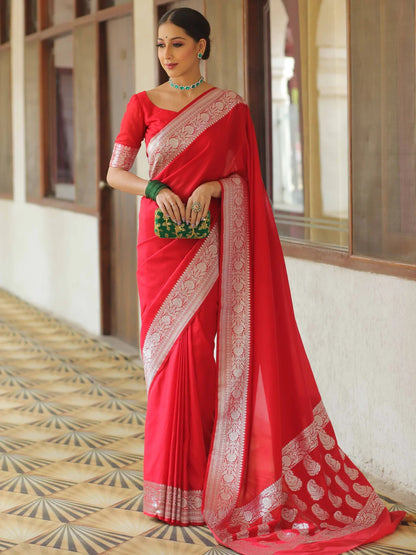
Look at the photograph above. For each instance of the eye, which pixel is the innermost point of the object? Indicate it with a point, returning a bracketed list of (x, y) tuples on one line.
[(159, 45), (177, 44)]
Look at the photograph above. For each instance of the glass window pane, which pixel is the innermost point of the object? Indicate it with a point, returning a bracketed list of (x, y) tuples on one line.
[(110, 3), (60, 11), (5, 21), (310, 119), (31, 16), (83, 7), (61, 122), (383, 123)]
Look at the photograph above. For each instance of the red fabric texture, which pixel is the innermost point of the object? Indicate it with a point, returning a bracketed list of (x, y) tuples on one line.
[(287, 487)]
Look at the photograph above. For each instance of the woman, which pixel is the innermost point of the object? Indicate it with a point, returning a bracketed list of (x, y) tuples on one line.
[(241, 441)]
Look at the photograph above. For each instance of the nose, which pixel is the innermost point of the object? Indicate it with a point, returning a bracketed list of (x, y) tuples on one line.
[(168, 52)]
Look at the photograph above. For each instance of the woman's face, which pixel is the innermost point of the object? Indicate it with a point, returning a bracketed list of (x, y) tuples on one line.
[(177, 51)]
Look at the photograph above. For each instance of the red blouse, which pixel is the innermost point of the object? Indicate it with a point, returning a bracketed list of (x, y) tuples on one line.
[(142, 120)]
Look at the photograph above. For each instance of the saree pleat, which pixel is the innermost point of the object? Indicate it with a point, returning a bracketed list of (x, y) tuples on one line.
[(242, 441)]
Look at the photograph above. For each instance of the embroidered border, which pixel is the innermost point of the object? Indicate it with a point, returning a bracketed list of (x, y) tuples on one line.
[(225, 468), (123, 156), (180, 305), (174, 504), (178, 134)]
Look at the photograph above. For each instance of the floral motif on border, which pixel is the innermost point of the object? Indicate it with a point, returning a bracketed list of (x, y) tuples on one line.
[(175, 504), (225, 468), (180, 305), (178, 134), (123, 156)]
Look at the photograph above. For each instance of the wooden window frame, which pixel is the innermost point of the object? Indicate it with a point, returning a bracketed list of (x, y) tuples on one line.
[(5, 46), (258, 97), (44, 33)]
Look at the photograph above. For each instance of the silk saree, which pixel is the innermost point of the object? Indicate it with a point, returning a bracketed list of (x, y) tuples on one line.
[(236, 435)]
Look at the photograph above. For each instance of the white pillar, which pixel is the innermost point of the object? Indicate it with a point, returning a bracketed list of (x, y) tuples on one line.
[(17, 44)]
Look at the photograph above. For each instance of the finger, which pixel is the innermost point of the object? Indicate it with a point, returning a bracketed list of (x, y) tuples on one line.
[(193, 217), (188, 211), (182, 210), (176, 212), (199, 216), (203, 214), (169, 209)]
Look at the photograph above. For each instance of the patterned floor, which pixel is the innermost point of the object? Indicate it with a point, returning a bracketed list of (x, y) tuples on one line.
[(72, 413)]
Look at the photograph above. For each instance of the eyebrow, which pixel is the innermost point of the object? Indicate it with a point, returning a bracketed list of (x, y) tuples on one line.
[(173, 38)]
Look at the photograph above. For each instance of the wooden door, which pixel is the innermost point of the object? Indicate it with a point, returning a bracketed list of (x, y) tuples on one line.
[(118, 211)]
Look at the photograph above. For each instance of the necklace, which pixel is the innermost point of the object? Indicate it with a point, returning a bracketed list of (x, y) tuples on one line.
[(183, 87)]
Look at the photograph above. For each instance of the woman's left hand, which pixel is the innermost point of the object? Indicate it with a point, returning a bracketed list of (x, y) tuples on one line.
[(198, 203)]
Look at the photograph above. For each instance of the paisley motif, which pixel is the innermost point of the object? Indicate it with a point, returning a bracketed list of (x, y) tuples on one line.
[(319, 512), (312, 467), (314, 490), (333, 463)]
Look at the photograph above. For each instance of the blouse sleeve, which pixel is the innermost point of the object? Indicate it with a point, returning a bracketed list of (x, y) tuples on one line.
[(131, 134)]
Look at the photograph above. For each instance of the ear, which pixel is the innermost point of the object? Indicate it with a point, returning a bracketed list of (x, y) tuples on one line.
[(202, 44)]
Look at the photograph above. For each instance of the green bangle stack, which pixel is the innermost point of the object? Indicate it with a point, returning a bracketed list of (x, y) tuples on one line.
[(153, 188)]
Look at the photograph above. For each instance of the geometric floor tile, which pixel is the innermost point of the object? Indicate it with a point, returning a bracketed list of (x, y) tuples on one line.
[(374, 549), (21, 529), (219, 550), (93, 494), (122, 479), (5, 545), (72, 418), (10, 500), (187, 534), (132, 417), (141, 545), (134, 445), (125, 522), (19, 463), (133, 504), (8, 444), (72, 472), (54, 509), (80, 539), (63, 423), (34, 485), (118, 404), (101, 457), (46, 407), (85, 439), (51, 452)]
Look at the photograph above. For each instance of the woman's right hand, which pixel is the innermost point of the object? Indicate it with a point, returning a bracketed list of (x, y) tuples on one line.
[(171, 205)]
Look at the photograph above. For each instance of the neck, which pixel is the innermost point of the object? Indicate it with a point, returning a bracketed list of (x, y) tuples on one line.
[(185, 85)]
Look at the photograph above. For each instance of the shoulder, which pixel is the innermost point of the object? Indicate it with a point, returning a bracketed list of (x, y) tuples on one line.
[(231, 97)]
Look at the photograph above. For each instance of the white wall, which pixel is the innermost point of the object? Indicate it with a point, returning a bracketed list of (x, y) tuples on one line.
[(359, 332), (50, 257)]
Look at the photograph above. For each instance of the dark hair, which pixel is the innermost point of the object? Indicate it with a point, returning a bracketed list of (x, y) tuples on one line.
[(193, 22)]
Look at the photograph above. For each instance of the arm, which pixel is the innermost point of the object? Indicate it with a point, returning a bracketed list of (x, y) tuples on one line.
[(126, 181)]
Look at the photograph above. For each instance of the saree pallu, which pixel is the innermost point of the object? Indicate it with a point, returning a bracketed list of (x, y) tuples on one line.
[(241, 441)]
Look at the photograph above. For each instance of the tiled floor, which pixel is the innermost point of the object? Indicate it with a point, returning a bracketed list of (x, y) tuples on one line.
[(72, 413)]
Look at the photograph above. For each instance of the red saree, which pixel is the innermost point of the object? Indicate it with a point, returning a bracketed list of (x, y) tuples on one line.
[(241, 441)]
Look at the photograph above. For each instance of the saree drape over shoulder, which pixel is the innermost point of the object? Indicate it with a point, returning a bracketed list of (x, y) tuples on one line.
[(240, 441)]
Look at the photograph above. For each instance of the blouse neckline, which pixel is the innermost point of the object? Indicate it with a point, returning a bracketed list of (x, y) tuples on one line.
[(182, 109)]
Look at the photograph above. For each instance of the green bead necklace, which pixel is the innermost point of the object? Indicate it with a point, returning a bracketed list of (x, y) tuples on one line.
[(183, 87)]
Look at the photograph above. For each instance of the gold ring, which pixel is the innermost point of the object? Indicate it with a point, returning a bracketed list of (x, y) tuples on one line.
[(196, 207)]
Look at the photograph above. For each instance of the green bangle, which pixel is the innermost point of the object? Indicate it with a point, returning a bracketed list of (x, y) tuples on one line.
[(153, 188)]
